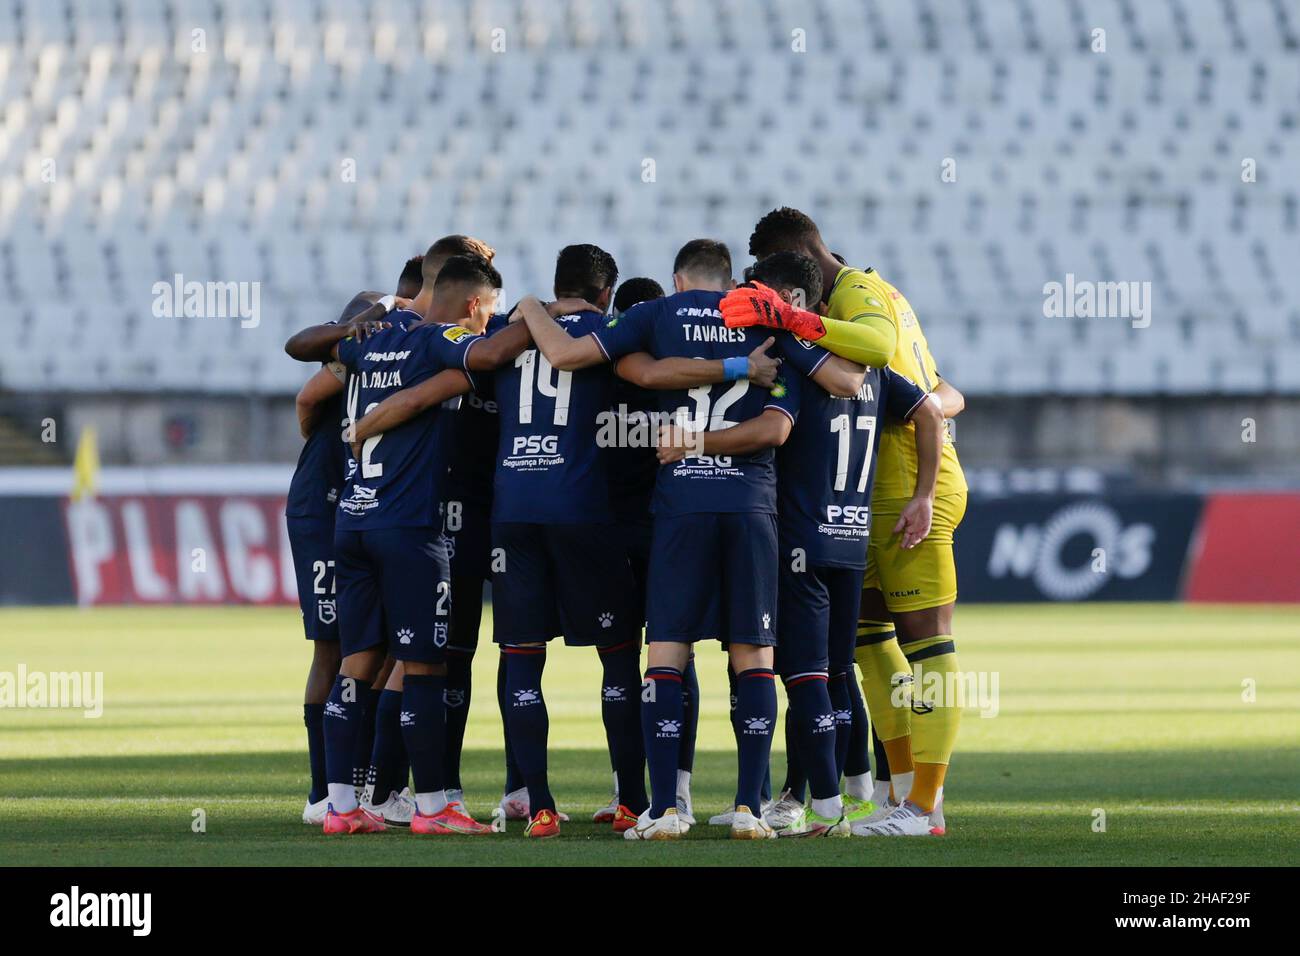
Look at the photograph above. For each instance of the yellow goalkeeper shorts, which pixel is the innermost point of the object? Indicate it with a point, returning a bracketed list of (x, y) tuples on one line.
[(925, 576)]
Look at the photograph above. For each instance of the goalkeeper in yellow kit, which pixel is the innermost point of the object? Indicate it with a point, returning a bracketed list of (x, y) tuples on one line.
[(905, 647)]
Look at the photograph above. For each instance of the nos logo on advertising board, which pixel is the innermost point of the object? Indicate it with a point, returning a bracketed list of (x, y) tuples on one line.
[(1060, 549)]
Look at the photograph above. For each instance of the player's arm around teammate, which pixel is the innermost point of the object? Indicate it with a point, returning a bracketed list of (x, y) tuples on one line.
[(315, 392), (487, 355), (567, 354), (312, 343), (861, 334), (643, 369), (914, 521), (768, 430), (951, 401)]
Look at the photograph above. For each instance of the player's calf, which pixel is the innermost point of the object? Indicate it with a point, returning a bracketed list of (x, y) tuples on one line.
[(661, 727)]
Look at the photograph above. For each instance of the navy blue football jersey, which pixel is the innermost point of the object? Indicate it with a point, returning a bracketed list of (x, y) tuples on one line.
[(322, 464), (826, 467), (473, 431), (688, 324), (633, 465), (400, 478), (550, 467)]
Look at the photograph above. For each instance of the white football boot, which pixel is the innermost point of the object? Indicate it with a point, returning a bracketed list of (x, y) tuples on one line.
[(882, 810), (666, 827), (809, 824), (515, 804), (607, 813), (685, 812), (784, 812), (906, 819), (746, 826), (880, 793), (937, 825), (313, 814), (397, 810), (724, 819)]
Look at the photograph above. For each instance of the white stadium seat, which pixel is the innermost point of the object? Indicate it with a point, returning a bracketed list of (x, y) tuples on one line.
[(229, 165)]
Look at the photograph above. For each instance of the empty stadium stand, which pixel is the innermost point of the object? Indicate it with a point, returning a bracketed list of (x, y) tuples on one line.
[(310, 146)]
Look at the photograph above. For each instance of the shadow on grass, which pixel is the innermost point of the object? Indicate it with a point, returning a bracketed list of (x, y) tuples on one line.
[(584, 775), (1028, 809)]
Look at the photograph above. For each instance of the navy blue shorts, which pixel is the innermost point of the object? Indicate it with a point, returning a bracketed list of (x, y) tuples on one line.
[(312, 542), (570, 579), (468, 529), (635, 537), (713, 576), (395, 591), (819, 619)]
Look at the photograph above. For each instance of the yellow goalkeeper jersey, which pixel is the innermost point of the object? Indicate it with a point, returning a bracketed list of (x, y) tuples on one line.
[(857, 295)]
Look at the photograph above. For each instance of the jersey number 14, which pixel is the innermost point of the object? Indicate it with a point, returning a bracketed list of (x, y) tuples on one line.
[(533, 366)]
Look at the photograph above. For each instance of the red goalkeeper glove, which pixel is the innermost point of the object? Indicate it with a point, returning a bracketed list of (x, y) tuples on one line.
[(756, 304)]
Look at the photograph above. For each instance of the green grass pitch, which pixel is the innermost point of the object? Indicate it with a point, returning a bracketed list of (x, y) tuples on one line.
[(1134, 710)]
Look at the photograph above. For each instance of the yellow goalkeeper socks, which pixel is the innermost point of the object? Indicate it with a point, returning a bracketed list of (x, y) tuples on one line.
[(884, 667), (936, 714), (926, 784)]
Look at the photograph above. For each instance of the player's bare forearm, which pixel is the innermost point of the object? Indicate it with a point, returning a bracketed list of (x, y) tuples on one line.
[(307, 415), (649, 372), (929, 447), (840, 377), (953, 401), (641, 368), (913, 525), (869, 340), (497, 350), (319, 343), (404, 405), (768, 430), (313, 394), (316, 344), (562, 350)]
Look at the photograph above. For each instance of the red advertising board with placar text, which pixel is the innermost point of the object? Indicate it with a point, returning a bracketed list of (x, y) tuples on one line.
[(180, 549)]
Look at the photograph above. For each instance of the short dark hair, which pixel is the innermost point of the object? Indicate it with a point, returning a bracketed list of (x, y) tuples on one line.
[(412, 277), (786, 271), (705, 258), (456, 245), (471, 270), (781, 230), (585, 271), (636, 290), (360, 302)]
